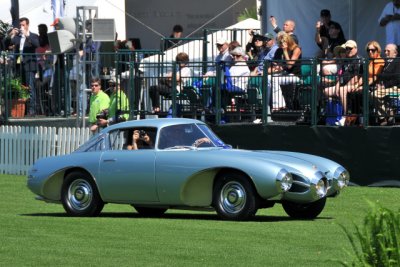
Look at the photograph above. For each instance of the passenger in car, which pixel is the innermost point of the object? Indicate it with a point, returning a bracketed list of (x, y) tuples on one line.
[(140, 140)]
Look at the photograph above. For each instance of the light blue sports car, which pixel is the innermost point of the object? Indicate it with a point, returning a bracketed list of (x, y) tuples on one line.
[(160, 164)]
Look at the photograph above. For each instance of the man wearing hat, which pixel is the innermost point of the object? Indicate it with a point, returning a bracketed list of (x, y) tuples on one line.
[(271, 48), (118, 110), (322, 36), (351, 75), (223, 58)]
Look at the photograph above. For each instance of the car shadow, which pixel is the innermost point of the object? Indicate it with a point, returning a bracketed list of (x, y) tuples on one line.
[(179, 216)]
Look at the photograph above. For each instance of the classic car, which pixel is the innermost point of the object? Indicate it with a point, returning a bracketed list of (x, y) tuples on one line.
[(184, 166)]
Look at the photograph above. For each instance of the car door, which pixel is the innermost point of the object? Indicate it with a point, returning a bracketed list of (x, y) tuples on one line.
[(128, 176)]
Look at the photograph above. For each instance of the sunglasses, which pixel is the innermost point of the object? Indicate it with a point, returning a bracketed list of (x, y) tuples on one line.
[(349, 48), (371, 50), (236, 56)]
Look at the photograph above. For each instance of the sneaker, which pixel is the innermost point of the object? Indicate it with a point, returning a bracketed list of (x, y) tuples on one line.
[(341, 121), (257, 121)]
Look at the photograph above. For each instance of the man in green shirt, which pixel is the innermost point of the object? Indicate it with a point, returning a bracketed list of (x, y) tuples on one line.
[(119, 106), (99, 101)]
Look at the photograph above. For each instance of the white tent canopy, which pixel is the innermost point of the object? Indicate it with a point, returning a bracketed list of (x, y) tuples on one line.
[(196, 47)]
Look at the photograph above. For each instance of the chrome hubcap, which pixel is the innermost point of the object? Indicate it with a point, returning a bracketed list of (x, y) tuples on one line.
[(80, 194), (233, 197)]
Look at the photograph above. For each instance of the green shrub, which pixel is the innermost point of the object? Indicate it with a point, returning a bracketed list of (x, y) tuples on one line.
[(378, 239)]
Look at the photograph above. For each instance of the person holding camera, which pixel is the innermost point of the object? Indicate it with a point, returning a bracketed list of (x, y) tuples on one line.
[(99, 103), (140, 140), (25, 44), (118, 110)]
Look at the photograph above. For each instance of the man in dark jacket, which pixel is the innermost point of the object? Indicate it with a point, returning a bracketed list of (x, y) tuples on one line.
[(25, 44), (388, 84)]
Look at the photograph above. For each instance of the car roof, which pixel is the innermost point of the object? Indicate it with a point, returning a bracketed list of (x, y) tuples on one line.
[(157, 123)]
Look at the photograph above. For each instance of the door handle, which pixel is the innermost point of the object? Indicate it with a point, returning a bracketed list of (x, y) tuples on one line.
[(109, 160)]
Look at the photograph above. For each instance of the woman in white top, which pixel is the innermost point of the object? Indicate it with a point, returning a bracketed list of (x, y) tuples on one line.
[(239, 73)]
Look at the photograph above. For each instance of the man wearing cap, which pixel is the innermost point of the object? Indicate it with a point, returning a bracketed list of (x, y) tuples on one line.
[(329, 34), (118, 110), (390, 19), (350, 77), (223, 58), (271, 47), (323, 27)]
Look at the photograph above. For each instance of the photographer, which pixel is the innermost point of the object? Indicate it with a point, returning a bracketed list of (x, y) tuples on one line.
[(99, 102), (140, 140), (118, 110)]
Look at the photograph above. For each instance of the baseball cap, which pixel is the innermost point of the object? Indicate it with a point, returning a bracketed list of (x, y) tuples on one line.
[(221, 41), (238, 51), (350, 44), (325, 13), (258, 37), (268, 36)]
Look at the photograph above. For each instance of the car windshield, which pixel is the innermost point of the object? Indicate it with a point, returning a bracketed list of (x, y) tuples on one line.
[(188, 135)]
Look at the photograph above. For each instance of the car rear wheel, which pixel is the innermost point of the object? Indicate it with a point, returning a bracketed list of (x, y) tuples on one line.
[(79, 195), (234, 197), (150, 212), (304, 211)]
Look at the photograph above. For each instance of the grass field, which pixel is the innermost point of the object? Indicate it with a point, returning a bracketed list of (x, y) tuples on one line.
[(34, 233)]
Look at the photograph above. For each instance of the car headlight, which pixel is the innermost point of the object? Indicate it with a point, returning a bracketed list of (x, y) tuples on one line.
[(341, 178), (284, 181), (320, 188)]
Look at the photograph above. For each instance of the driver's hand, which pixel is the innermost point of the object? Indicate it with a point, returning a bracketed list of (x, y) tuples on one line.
[(201, 141)]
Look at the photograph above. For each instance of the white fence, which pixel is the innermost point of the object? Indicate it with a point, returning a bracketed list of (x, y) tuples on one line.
[(21, 146)]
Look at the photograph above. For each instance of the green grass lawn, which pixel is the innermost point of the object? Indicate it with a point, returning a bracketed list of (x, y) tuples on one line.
[(33, 233)]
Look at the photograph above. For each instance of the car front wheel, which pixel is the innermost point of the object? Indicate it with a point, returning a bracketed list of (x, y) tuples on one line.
[(234, 197), (304, 211), (79, 195)]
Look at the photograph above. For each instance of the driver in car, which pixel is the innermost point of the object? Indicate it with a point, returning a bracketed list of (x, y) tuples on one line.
[(180, 135)]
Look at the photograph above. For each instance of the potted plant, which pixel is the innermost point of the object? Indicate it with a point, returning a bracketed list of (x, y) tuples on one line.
[(19, 95)]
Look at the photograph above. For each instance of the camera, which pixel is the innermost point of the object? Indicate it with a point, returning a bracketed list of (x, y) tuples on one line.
[(102, 114), (142, 134)]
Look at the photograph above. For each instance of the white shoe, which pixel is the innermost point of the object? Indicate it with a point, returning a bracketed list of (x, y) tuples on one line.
[(341, 121), (257, 121)]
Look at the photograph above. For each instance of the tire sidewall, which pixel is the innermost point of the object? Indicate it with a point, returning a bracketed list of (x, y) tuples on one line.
[(96, 204), (251, 205)]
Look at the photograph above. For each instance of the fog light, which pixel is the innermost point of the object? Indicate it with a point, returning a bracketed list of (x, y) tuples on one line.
[(284, 181)]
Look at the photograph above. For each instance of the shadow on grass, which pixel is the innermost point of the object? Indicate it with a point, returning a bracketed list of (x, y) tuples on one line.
[(176, 216)]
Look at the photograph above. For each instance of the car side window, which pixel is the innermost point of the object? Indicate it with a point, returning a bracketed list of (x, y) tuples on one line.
[(118, 139), (98, 146)]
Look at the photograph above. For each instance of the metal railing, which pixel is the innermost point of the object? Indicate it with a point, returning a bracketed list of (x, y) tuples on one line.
[(311, 96)]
